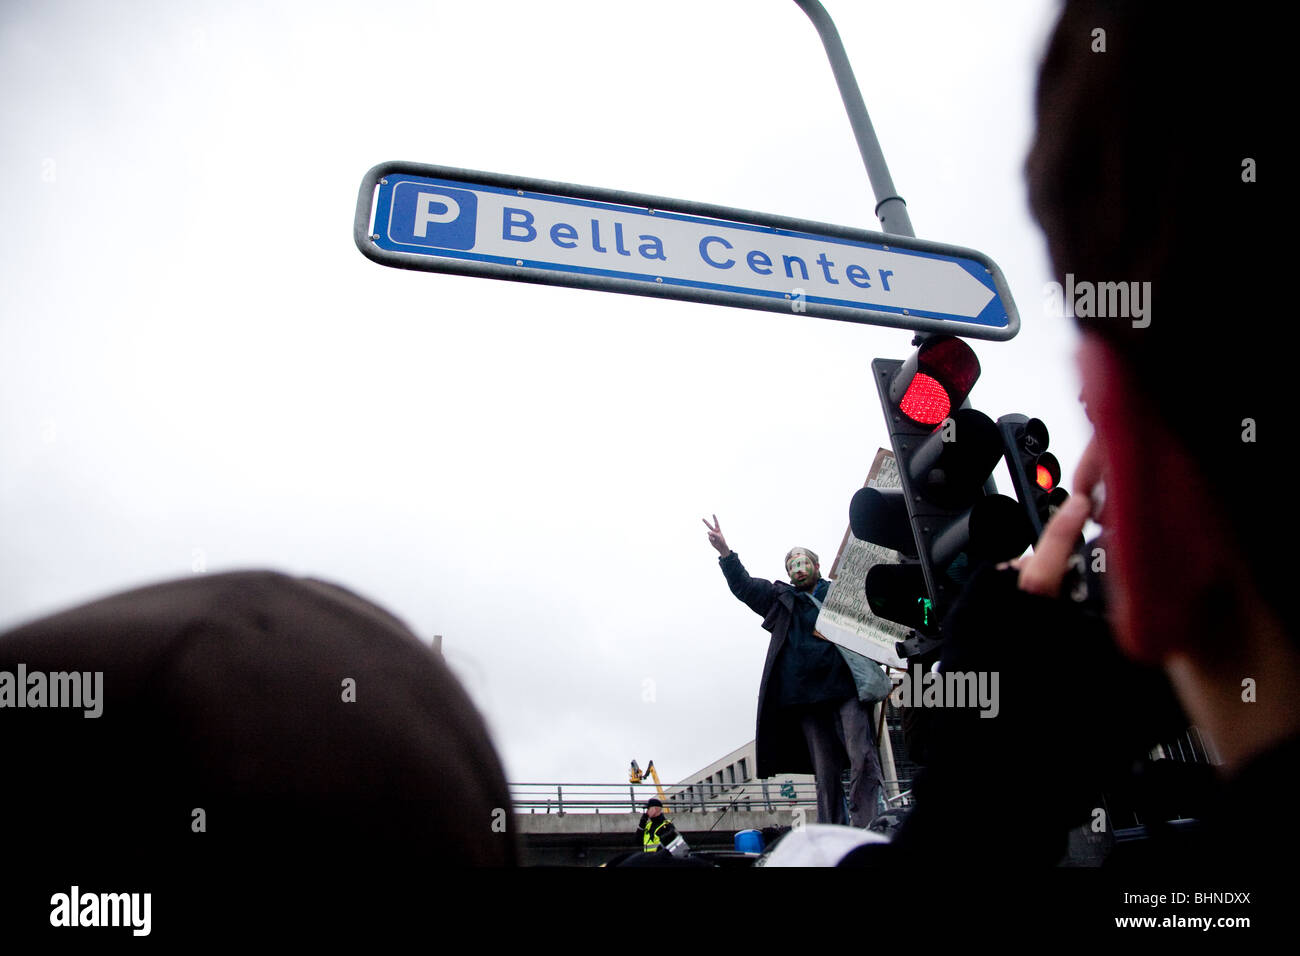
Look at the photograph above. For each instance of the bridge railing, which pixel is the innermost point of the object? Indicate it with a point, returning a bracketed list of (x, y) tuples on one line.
[(755, 795)]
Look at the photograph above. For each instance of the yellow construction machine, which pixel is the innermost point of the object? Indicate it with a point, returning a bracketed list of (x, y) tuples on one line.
[(636, 776)]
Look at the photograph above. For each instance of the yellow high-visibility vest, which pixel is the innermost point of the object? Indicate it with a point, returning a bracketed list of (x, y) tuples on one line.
[(649, 837)]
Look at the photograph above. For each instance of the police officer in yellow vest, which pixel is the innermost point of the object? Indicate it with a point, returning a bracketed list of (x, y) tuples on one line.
[(655, 829)]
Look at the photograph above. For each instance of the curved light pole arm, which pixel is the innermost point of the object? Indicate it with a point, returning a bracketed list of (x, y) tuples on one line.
[(890, 207)]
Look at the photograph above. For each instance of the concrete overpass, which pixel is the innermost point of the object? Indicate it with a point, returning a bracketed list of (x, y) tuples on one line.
[(590, 839)]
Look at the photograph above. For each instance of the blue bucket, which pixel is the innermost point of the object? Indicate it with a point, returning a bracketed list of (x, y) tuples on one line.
[(749, 841)]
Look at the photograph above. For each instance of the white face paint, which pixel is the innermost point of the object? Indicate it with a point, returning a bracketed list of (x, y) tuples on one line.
[(803, 572)]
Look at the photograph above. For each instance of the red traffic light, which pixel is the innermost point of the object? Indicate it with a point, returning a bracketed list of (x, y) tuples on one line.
[(1047, 471), (925, 401), (935, 379)]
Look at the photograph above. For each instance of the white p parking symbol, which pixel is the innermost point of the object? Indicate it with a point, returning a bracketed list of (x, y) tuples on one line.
[(424, 213)]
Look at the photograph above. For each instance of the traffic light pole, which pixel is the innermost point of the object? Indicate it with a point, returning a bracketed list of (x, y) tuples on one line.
[(943, 531), (890, 207)]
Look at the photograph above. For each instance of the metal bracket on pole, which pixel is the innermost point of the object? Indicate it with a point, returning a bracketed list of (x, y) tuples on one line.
[(917, 644), (890, 207)]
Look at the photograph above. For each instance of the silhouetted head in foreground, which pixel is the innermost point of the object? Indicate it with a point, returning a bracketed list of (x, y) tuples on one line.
[(1150, 143), (251, 725)]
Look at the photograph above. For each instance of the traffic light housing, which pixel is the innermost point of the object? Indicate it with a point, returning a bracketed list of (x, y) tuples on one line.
[(1035, 472), (945, 454), (895, 592)]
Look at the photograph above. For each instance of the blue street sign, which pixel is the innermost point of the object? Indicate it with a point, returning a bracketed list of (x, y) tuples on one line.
[(450, 220)]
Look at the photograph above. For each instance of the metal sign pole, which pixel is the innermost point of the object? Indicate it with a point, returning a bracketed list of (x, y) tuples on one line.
[(890, 207)]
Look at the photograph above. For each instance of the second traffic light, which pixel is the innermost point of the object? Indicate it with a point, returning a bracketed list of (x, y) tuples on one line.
[(1035, 472)]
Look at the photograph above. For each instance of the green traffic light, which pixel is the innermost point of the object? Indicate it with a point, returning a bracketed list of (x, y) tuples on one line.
[(926, 606)]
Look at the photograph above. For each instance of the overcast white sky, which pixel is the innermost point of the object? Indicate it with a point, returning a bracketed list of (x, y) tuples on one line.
[(198, 368)]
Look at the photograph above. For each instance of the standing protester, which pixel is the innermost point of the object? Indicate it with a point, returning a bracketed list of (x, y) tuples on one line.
[(814, 700)]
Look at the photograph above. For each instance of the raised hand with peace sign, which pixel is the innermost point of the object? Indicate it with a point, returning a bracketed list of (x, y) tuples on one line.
[(715, 536)]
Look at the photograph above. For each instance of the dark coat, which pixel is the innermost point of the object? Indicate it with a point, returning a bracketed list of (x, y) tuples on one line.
[(1074, 717), (779, 744)]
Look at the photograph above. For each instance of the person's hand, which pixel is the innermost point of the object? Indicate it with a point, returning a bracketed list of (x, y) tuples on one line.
[(715, 536), (1043, 572)]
